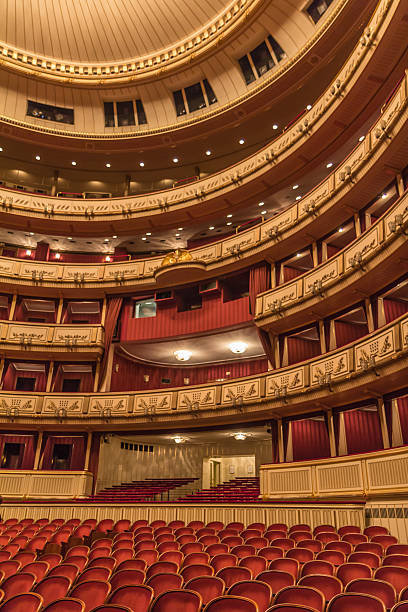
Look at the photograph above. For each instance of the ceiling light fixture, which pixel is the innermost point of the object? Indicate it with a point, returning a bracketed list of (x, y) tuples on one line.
[(182, 354), (211, 227), (1, 149), (148, 233), (141, 164), (37, 157), (263, 212), (229, 216), (106, 240), (180, 229), (208, 152), (175, 160), (361, 138), (229, 223), (275, 126), (74, 163), (178, 439), (308, 107), (57, 255), (238, 347), (341, 229), (144, 238), (298, 197), (177, 235), (384, 196), (108, 165), (114, 236), (261, 203), (329, 165), (241, 141), (69, 238), (298, 254), (295, 187), (240, 436)]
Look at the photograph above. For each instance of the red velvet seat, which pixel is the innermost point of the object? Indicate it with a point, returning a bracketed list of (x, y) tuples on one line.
[(80, 562), (111, 608), (341, 546), (301, 595), (302, 555), (23, 602), (371, 547), (52, 587), (355, 602), (92, 593), (122, 544), (124, 554), (94, 573), (277, 527), (254, 563), (176, 524), (38, 568), (395, 575), (375, 530), (283, 543), (300, 536), (104, 526), (275, 534), (17, 583), (52, 559), (397, 549), (271, 552), (246, 534), (209, 587), (9, 567), (299, 527), (166, 546), (355, 538), (66, 604), (367, 558), (196, 558), (37, 543), (137, 597), (235, 525), (108, 562), (328, 585), (335, 557), (69, 570), (384, 540), (126, 576), (289, 608), (243, 550), (216, 549), (223, 560), (402, 606), (317, 567), (259, 526), (190, 547), (137, 564), (372, 586), (327, 536), (176, 600), (348, 529), (291, 566), (257, 542), (259, 592), (231, 603), (174, 556), (232, 541), (314, 545), (121, 525), (161, 567), (398, 560), (150, 556), (351, 571), (26, 557), (164, 582), (231, 575)]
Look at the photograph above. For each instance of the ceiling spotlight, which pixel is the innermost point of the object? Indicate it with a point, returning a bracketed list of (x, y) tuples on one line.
[(107, 258), (298, 197), (208, 152), (241, 141), (1, 149), (114, 236), (308, 107), (238, 347), (298, 254), (329, 165), (69, 238), (211, 227), (31, 233), (57, 255), (229, 223), (240, 436), (175, 160), (361, 138), (74, 163), (180, 229), (263, 212), (261, 203), (182, 354), (275, 126), (178, 439), (106, 240), (341, 229), (295, 187), (384, 196), (177, 235), (141, 164), (28, 252), (108, 165), (144, 238), (148, 233), (37, 157), (229, 216)]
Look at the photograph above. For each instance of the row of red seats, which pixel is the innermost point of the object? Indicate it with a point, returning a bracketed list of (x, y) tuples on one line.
[(137, 491), (238, 490)]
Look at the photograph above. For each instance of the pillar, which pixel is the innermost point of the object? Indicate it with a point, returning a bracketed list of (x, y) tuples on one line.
[(13, 306), (280, 442), (332, 438), (88, 450), (38, 451), (49, 377), (383, 423)]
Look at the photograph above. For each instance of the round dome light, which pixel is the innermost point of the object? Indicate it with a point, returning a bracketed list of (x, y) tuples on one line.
[(178, 439), (238, 347), (240, 436), (183, 355)]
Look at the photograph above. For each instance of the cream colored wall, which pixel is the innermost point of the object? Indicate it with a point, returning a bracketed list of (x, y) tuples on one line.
[(117, 465)]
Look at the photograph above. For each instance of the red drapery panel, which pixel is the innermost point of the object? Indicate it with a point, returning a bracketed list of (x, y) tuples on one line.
[(112, 316), (91, 318), (348, 332), (77, 451), (9, 378), (310, 439), (363, 431), (260, 281), (332, 250), (42, 251), (130, 375), (394, 309), (300, 349), (27, 452), (403, 415), (290, 273)]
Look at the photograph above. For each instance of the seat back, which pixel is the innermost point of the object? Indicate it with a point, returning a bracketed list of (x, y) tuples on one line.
[(259, 592), (16, 584), (328, 585), (231, 575), (52, 587), (397, 576), (91, 592), (194, 571), (209, 587), (66, 604), (301, 595), (277, 579), (187, 601), (127, 576), (136, 596), (165, 582), (371, 586), (355, 602), (231, 603), (23, 602), (351, 571)]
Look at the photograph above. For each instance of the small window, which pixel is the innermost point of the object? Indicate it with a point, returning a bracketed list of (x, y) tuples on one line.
[(212, 99), (36, 320), (166, 381), (318, 8), (11, 458), (145, 449), (126, 115), (71, 385), (145, 309), (61, 457), (276, 48), (141, 448), (246, 70), (262, 59), (25, 384), (50, 113), (195, 97), (141, 115), (109, 114), (150, 449), (179, 103), (122, 445)]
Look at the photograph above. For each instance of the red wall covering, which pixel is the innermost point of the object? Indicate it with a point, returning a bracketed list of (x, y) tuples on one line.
[(213, 314), (348, 332), (129, 377), (300, 349), (363, 431), (403, 415), (310, 440), (394, 309)]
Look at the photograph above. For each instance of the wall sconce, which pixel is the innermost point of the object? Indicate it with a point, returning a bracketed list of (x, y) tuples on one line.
[(146, 378), (116, 367), (186, 381)]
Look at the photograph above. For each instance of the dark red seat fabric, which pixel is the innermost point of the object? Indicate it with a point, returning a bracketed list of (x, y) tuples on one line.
[(302, 555), (126, 576), (108, 562), (52, 587), (136, 597), (254, 563), (351, 571), (223, 560), (66, 604), (173, 556), (372, 586), (231, 575), (177, 600), (348, 529), (276, 579), (209, 587), (328, 585), (138, 564), (23, 602), (94, 573), (38, 568), (161, 583), (92, 593), (303, 596), (291, 566), (65, 569), (317, 567), (259, 592), (271, 552), (395, 575), (341, 546), (17, 584), (335, 557), (231, 603), (161, 567), (397, 560), (355, 602), (375, 530), (367, 558)]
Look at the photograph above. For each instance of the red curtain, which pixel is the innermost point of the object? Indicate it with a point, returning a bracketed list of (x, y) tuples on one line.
[(27, 452), (42, 251), (310, 439), (130, 375), (290, 273), (9, 378), (394, 309), (348, 332), (403, 415), (363, 431), (77, 451), (332, 250), (300, 349), (260, 281), (112, 317)]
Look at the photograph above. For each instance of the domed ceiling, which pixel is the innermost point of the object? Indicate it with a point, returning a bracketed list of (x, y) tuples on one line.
[(103, 30)]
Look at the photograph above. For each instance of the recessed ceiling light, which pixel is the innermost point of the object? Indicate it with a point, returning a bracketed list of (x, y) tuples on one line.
[(182, 354), (178, 439), (141, 164), (175, 160), (148, 233), (108, 165), (31, 233), (74, 163), (238, 347), (298, 197), (180, 229), (69, 238), (361, 138), (298, 254), (295, 187), (261, 203), (106, 240), (1, 149), (240, 436), (211, 227), (341, 230), (28, 252), (229, 216), (329, 165), (208, 152), (229, 223), (308, 107), (114, 236), (144, 238), (37, 157), (263, 212), (275, 126), (384, 196), (177, 235), (241, 141)]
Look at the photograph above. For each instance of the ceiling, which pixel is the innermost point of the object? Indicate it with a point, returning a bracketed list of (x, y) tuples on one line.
[(254, 432), (100, 30), (205, 349)]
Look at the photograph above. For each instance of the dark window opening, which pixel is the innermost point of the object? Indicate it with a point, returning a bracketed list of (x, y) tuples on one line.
[(188, 299), (109, 114), (25, 384), (126, 115), (246, 70), (179, 103), (12, 453), (277, 49), (36, 319), (212, 98), (141, 115), (236, 287), (318, 8), (79, 321), (50, 113), (145, 309), (262, 59), (71, 385), (61, 457), (195, 97)]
